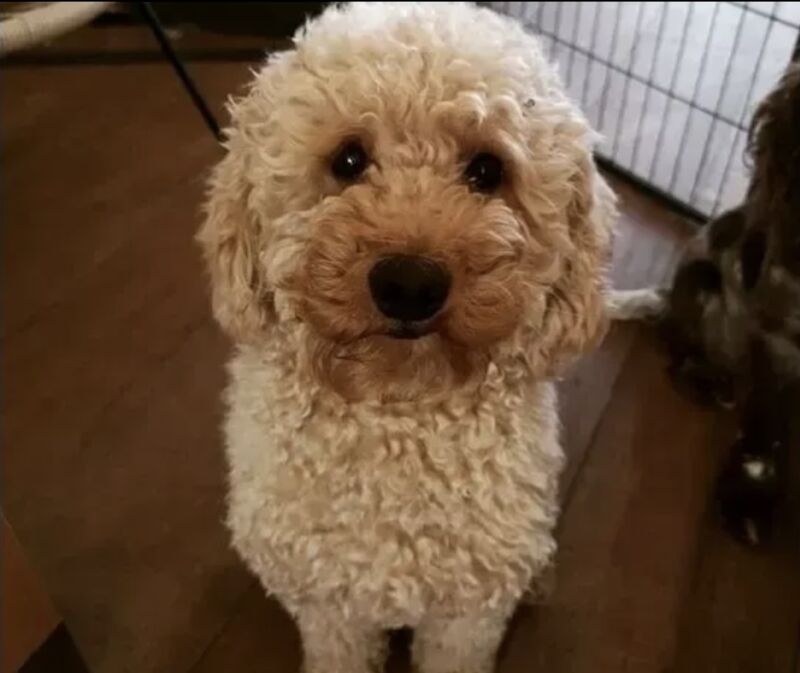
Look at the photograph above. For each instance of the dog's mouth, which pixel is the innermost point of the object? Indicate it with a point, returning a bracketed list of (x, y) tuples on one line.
[(410, 329)]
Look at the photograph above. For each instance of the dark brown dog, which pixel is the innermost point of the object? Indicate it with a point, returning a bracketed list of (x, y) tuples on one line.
[(732, 322)]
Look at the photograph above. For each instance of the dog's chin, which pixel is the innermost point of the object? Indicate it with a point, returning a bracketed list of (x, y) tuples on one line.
[(394, 362)]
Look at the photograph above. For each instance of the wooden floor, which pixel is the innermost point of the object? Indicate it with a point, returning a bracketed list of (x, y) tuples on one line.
[(112, 470)]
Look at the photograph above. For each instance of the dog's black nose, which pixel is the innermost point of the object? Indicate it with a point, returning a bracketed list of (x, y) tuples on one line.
[(408, 287)]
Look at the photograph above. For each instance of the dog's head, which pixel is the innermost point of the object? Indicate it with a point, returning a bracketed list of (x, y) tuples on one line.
[(773, 242), (411, 191)]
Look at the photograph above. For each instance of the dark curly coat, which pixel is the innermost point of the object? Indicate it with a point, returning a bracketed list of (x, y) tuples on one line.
[(733, 316)]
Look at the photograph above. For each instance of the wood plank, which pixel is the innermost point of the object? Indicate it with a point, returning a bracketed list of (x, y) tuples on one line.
[(742, 613), (27, 614), (646, 248), (112, 473), (125, 517), (260, 637), (627, 535), (136, 39), (58, 653)]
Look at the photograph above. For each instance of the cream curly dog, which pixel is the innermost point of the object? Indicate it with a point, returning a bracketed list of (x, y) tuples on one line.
[(407, 242)]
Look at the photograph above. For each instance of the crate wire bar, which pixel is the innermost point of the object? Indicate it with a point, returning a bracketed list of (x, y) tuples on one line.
[(671, 86)]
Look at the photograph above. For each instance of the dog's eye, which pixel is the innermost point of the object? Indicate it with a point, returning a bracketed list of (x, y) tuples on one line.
[(350, 161), (484, 172)]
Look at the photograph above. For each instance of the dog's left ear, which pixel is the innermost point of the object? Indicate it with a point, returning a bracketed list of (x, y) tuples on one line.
[(575, 316), (229, 239)]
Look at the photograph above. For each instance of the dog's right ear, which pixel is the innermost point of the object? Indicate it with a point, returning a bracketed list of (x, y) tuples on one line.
[(229, 238)]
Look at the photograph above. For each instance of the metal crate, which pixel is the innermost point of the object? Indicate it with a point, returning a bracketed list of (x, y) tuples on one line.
[(670, 85)]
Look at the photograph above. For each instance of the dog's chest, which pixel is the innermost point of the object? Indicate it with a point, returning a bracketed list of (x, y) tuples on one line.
[(410, 502)]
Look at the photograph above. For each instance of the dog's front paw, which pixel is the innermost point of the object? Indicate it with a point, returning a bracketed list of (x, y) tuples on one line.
[(749, 493)]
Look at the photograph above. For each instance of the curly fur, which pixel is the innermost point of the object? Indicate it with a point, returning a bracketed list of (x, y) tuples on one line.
[(733, 314), (740, 278), (377, 482)]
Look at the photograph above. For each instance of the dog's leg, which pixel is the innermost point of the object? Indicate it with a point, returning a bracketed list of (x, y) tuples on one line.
[(335, 643), (465, 644), (753, 481), (644, 304)]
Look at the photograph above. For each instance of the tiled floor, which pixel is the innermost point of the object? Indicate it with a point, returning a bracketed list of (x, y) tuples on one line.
[(112, 472)]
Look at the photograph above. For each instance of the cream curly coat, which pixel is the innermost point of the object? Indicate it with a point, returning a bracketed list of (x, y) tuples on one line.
[(378, 482)]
